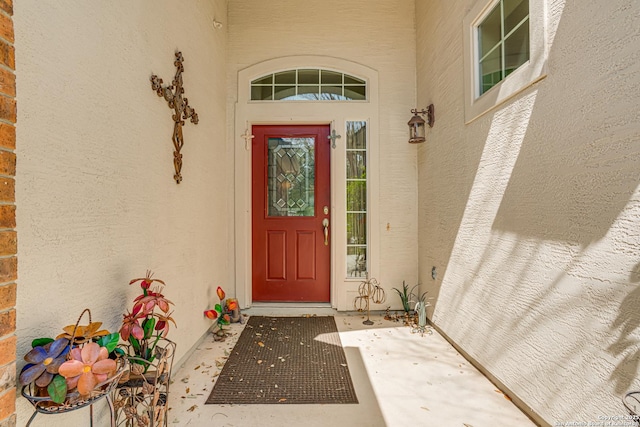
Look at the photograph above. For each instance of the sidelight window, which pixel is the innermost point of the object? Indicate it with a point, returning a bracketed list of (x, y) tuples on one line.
[(356, 188)]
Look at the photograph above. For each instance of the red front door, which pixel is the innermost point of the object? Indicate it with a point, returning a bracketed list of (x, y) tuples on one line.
[(290, 213)]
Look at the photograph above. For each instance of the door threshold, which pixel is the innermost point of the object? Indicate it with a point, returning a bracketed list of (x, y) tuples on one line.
[(289, 309)]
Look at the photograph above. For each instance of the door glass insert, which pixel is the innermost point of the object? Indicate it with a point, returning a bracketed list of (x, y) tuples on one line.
[(291, 177)]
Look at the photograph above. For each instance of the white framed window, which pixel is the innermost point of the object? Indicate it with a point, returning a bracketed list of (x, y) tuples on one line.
[(311, 84), (504, 51)]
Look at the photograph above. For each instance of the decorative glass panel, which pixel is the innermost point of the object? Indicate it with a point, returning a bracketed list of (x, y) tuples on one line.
[(309, 90), (331, 78), (291, 177), (356, 189), (356, 261), (350, 80), (489, 32), (308, 85), (356, 164), (262, 92), (515, 11), (286, 78), (334, 91), (266, 80), (355, 92), (356, 136), (516, 48), (308, 77), (356, 228), (491, 69), (357, 196), (284, 92)]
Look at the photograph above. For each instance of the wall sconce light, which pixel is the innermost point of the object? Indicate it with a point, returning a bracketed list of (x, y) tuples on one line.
[(416, 124)]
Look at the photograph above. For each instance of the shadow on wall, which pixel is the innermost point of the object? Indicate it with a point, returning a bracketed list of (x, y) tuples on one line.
[(577, 189), (515, 224), (627, 324)]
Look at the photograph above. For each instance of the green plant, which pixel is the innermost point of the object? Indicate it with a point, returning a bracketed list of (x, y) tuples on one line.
[(408, 296), (405, 296)]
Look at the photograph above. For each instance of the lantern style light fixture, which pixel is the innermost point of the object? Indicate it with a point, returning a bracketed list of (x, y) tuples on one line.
[(416, 124)]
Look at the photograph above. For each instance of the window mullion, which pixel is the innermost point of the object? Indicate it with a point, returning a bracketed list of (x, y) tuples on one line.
[(518, 25), (503, 53)]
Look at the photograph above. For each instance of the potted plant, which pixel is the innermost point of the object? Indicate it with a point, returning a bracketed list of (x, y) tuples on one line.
[(406, 298)]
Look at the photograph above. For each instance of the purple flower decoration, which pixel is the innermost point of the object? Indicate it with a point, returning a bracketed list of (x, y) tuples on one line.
[(44, 362)]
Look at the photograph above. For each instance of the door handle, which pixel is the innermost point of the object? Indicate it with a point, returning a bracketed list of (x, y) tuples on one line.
[(325, 226)]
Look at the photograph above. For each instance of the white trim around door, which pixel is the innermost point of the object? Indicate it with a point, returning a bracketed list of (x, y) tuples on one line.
[(336, 113)]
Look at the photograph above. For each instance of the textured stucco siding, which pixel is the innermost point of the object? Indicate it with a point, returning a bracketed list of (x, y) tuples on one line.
[(531, 213), (97, 201), (379, 35)]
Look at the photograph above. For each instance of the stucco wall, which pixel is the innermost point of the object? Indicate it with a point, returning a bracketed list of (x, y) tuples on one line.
[(97, 201), (531, 212), (380, 36)]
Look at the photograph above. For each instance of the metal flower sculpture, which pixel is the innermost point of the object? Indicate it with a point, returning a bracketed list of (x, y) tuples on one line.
[(81, 334), (221, 312), (44, 362), (148, 320), (88, 367)]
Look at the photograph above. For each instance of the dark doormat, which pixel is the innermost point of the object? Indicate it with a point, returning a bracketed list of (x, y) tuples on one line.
[(286, 360)]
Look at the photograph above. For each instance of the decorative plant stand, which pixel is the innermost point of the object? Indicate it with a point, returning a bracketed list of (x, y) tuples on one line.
[(44, 405), (369, 290), (421, 327), (141, 398), (632, 402)]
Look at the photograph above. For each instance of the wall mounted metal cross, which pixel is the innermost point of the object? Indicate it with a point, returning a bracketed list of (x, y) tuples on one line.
[(182, 111), (333, 138)]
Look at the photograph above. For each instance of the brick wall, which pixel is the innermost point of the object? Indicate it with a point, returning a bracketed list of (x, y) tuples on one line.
[(8, 237)]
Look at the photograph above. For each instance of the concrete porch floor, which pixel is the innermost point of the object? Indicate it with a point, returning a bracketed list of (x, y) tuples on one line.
[(400, 379)]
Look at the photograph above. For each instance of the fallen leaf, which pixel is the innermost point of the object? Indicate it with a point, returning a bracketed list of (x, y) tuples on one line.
[(260, 343), (282, 400), (503, 394), (193, 408), (259, 362), (187, 391)]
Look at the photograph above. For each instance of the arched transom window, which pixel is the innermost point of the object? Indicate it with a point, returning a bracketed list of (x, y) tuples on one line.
[(308, 85)]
